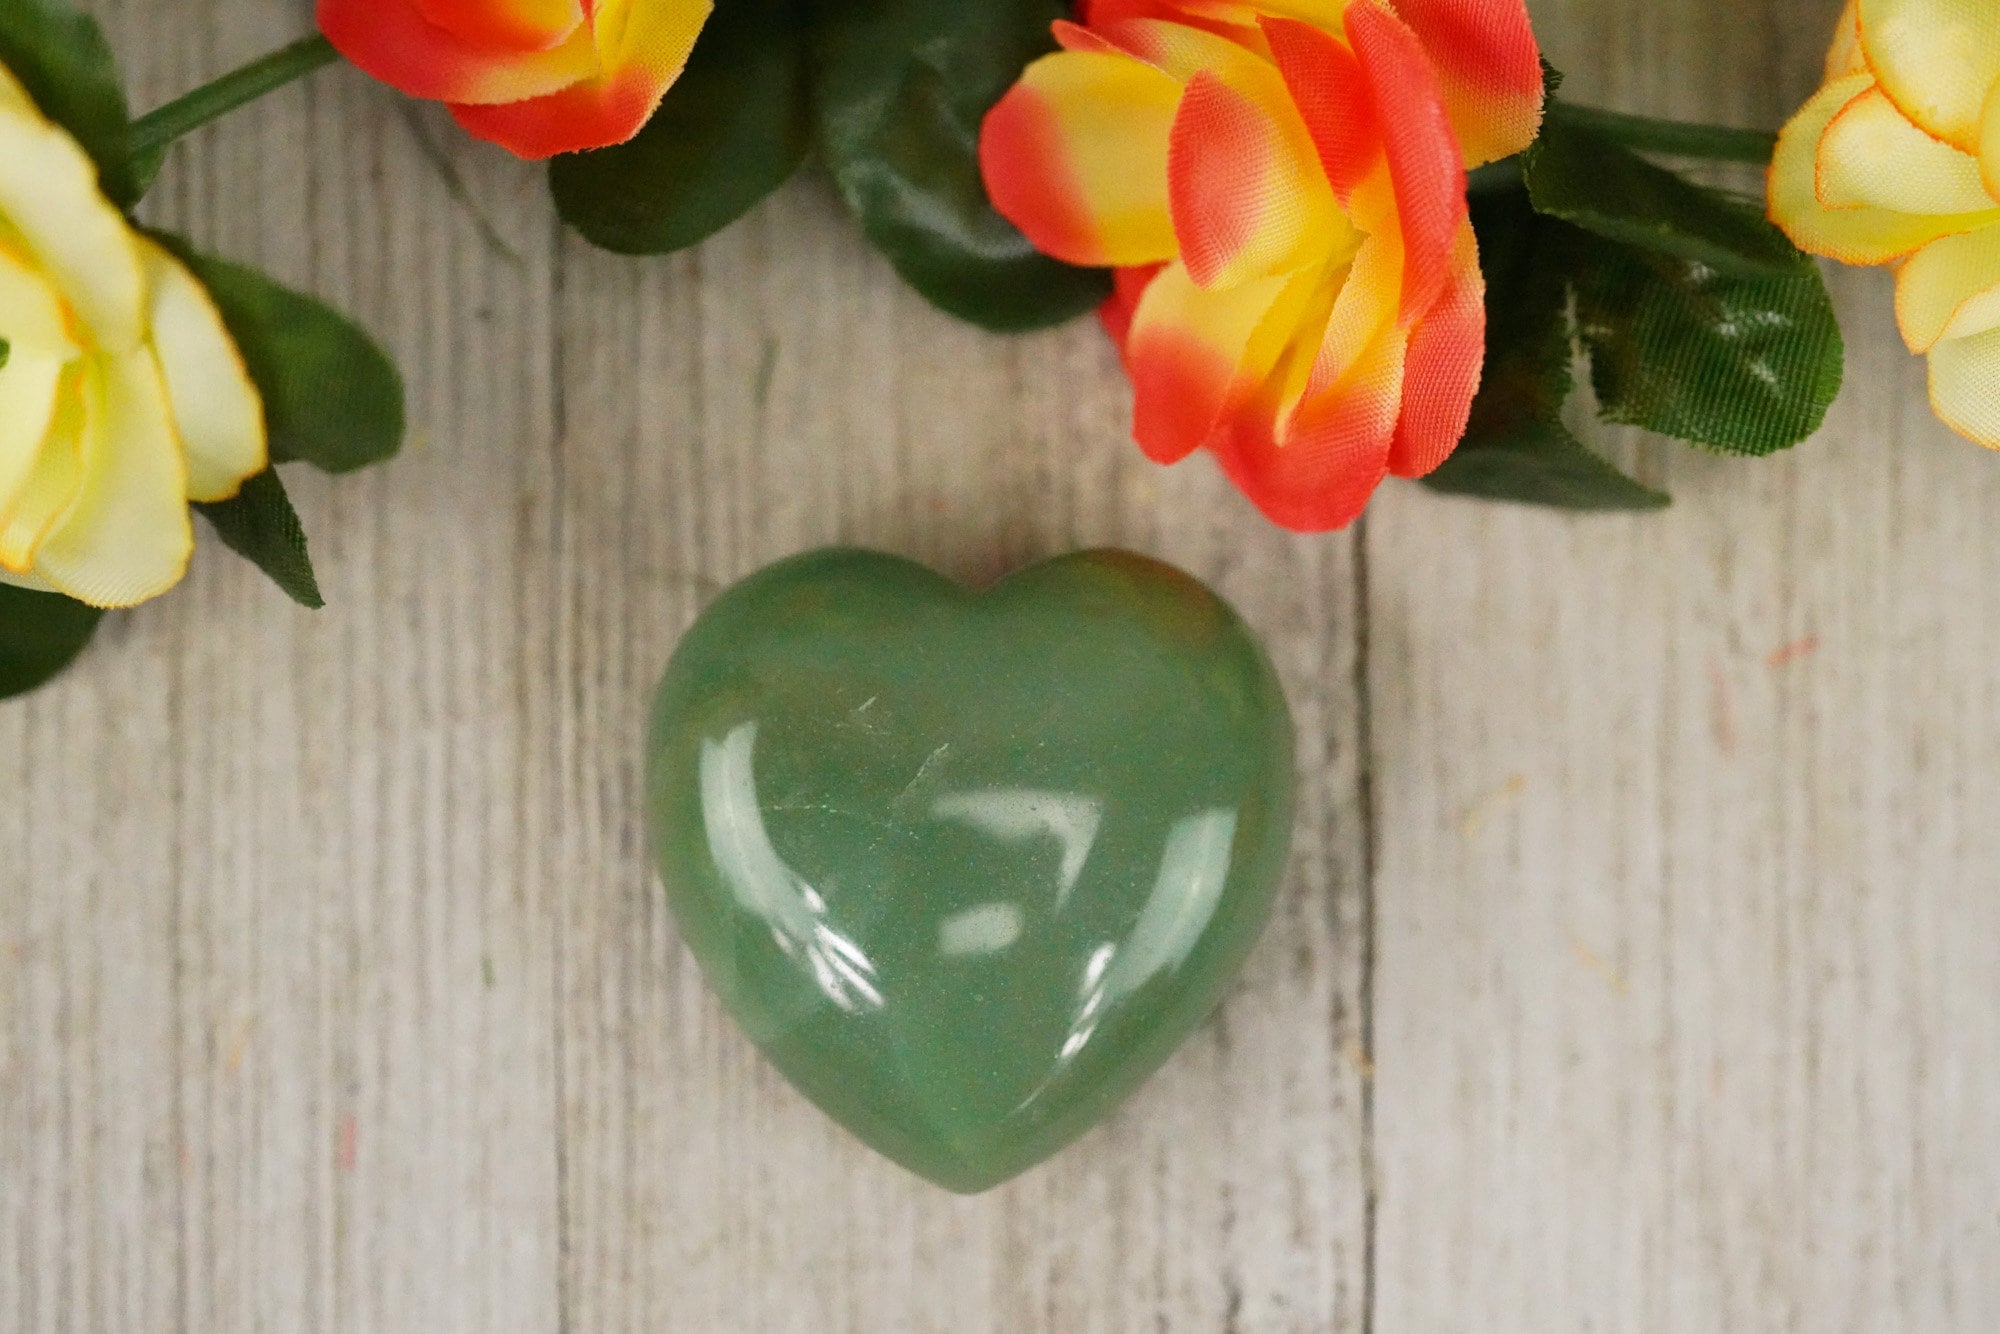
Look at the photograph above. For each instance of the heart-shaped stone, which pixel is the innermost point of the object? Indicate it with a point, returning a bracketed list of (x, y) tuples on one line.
[(968, 867)]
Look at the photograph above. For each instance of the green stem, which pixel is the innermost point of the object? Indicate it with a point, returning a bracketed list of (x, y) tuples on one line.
[(1718, 143), (154, 133)]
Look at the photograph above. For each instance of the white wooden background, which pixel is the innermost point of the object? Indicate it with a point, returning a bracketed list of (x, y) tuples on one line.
[(1639, 968)]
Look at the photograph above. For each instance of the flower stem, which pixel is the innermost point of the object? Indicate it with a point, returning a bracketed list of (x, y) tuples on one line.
[(154, 133), (1718, 143)]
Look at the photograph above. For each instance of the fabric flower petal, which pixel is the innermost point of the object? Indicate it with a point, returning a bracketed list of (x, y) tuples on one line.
[(1075, 155), (1194, 352), (1325, 82), (31, 311), (1845, 56), (1128, 288), (1989, 144), (49, 193), (1425, 164), (216, 409), (28, 398), (595, 113), (1965, 386), (1871, 156), (1937, 60), (1183, 50), (128, 537), (46, 495), (1851, 235), (1949, 289), (1334, 451), (1367, 304), (1244, 185), (526, 25), (391, 40), (1490, 68), (1447, 355)]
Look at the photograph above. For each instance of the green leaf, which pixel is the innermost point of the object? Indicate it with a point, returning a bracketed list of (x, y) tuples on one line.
[(60, 56), (260, 525), (40, 635), (1741, 365), (1541, 463), (1605, 188), (900, 88), (332, 397), (732, 129), (1517, 447)]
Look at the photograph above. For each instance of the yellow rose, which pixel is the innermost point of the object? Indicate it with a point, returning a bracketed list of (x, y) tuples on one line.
[(122, 396), (1897, 160)]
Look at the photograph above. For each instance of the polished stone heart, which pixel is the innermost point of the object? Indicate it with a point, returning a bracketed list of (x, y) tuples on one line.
[(968, 867)]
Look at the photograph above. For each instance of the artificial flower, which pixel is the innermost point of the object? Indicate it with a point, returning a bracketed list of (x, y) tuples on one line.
[(537, 77), (122, 396), (1897, 161), (1281, 187)]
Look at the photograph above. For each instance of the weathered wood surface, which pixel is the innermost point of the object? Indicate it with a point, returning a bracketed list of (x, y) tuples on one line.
[(1638, 971)]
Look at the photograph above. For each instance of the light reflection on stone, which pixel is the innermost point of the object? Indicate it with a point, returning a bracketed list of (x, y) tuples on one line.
[(1015, 815), (765, 886)]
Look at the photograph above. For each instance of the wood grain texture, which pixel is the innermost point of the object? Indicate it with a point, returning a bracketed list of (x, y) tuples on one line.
[(1689, 946), (1637, 970), (345, 998)]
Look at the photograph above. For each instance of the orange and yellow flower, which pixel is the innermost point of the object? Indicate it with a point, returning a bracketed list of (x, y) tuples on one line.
[(538, 77), (1897, 161), (1281, 187)]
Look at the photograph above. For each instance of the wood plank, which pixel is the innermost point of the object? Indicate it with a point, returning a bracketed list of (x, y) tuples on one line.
[(280, 1050), (1688, 935), (776, 390)]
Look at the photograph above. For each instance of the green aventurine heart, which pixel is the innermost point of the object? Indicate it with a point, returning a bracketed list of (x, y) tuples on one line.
[(969, 866)]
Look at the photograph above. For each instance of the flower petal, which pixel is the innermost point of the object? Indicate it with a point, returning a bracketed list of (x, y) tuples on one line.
[(1244, 185), (128, 536), (1447, 355), (1425, 164), (1128, 287), (515, 25), (50, 489), (1235, 22), (1367, 305), (31, 311), (1075, 155), (1845, 57), (1989, 144), (28, 395), (1850, 235), (1965, 386), (217, 410), (1490, 67), (49, 193), (1184, 50), (1937, 60), (1333, 452), (1195, 352), (1949, 289), (1872, 156), (642, 49), (391, 40), (1326, 85)]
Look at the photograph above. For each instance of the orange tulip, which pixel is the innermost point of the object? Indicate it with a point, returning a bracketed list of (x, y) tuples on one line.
[(538, 77), (1897, 161), (1281, 186)]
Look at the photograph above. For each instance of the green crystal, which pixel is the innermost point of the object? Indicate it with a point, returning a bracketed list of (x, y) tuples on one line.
[(968, 867)]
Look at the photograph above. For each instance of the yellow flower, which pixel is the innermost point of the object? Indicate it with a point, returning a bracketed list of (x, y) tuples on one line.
[(1897, 160), (122, 396)]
